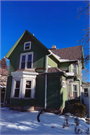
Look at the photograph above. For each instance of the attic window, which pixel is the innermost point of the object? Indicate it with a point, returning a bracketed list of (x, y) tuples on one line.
[(27, 45)]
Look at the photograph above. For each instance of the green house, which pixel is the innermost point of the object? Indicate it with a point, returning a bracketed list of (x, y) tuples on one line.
[(41, 77)]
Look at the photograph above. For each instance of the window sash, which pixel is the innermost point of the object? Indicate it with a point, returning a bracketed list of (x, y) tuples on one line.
[(85, 92), (17, 89), (28, 89), (75, 90), (74, 68)]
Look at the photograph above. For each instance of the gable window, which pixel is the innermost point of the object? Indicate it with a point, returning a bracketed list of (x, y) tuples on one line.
[(27, 45), (75, 90), (17, 89), (86, 92), (74, 68), (26, 60), (28, 89)]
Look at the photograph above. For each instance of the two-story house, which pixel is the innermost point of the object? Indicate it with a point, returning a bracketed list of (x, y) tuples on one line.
[(42, 77)]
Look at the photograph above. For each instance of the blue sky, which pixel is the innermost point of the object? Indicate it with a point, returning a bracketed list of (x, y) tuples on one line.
[(52, 22)]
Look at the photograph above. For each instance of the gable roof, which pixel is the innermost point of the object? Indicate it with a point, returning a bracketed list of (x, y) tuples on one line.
[(17, 42), (71, 53)]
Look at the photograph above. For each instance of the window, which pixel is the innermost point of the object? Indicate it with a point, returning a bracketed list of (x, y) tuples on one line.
[(86, 92), (74, 68), (75, 91), (63, 84), (26, 60), (27, 45), (28, 89), (17, 89), (23, 61)]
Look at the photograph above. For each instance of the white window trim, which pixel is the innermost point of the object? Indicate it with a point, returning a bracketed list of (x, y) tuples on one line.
[(76, 68), (13, 88), (26, 59), (77, 89), (25, 88), (86, 92), (29, 45), (64, 86)]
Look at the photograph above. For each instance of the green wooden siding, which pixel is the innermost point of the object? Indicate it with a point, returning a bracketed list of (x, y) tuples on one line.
[(66, 64), (56, 95), (8, 89), (64, 92), (39, 59), (22, 102), (39, 55), (51, 62), (40, 90)]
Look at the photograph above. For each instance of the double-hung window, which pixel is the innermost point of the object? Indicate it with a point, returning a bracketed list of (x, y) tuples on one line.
[(28, 89), (26, 60), (86, 92), (74, 68), (17, 89), (75, 91)]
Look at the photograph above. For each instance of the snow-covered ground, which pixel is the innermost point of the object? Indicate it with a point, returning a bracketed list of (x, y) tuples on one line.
[(15, 122)]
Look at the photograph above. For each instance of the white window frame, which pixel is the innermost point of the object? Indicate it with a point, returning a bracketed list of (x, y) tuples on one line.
[(29, 42), (14, 86), (77, 89), (26, 54), (63, 84), (85, 92), (76, 68), (30, 88)]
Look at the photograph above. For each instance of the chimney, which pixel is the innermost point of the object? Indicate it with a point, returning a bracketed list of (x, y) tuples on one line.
[(53, 47)]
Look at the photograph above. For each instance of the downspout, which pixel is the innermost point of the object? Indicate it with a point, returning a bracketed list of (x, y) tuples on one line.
[(46, 81)]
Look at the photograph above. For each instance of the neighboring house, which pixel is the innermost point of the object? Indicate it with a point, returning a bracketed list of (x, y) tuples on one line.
[(86, 94), (3, 78), (41, 77)]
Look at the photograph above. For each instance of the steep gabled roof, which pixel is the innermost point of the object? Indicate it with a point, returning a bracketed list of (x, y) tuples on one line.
[(16, 44), (71, 53)]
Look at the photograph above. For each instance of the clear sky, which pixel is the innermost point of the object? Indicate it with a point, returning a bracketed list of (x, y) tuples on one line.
[(52, 22)]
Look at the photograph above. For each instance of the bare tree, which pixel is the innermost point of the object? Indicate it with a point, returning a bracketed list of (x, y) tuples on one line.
[(86, 37)]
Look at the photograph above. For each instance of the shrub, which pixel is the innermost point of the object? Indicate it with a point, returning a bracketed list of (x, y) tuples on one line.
[(79, 109)]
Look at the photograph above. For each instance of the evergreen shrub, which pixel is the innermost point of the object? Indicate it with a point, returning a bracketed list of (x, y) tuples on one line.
[(79, 109)]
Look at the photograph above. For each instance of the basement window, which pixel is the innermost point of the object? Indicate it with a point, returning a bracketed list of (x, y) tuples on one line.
[(27, 45)]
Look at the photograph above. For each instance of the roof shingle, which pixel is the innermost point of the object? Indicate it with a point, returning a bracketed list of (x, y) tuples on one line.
[(71, 53)]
